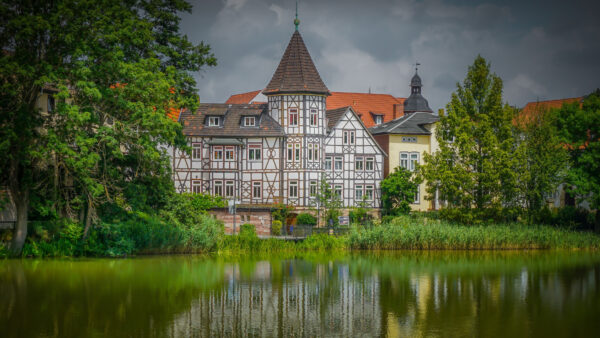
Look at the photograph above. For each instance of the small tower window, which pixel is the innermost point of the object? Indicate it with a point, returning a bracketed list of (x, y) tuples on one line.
[(51, 103), (314, 117), (293, 116)]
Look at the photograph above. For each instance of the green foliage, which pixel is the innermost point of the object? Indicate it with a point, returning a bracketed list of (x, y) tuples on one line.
[(276, 228), (329, 203), (423, 234), (306, 219), (474, 166), (281, 212), (567, 217), (398, 191), (115, 69), (579, 131)]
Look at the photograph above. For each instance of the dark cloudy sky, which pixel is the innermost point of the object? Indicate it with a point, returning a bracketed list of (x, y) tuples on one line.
[(541, 49)]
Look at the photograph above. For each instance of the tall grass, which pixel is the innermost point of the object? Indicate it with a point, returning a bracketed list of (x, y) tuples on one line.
[(407, 232)]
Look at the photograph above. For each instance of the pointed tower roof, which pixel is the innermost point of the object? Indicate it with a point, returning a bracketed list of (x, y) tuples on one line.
[(416, 102), (296, 72)]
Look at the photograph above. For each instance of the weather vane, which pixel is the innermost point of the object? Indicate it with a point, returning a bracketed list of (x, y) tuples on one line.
[(417, 64), (296, 21)]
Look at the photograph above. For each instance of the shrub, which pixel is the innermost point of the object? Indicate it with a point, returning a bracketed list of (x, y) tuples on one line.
[(306, 219), (276, 228)]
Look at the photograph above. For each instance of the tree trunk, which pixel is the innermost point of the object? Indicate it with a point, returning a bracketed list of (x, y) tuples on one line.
[(20, 232), (88, 218)]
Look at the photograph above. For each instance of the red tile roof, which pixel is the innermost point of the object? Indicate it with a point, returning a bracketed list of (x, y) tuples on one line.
[(242, 98), (364, 104), (532, 109)]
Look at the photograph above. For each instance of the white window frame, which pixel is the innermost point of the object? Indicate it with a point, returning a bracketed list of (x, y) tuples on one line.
[(338, 190), (359, 164), (293, 121), (413, 161), (369, 192), (256, 185), (196, 186), (349, 137), (369, 162), (250, 121), (313, 188), (338, 159), (404, 160), (229, 151), (378, 119), (215, 151), (219, 184), (293, 189), (314, 118), (229, 185), (358, 192), (328, 163), (254, 152), (196, 151), (418, 195), (213, 121)]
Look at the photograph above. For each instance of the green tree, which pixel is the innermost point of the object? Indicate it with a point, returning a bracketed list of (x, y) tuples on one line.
[(541, 156), (579, 129), (118, 68), (474, 166), (398, 191), (329, 203)]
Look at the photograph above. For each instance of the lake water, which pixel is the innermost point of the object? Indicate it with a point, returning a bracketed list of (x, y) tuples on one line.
[(423, 294)]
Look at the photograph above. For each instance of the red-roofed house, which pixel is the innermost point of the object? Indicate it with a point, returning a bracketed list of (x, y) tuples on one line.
[(533, 108)]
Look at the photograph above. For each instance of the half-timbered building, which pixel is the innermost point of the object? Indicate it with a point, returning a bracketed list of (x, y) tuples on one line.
[(279, 151)]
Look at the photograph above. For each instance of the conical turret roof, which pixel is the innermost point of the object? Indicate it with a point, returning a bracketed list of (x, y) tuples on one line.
[(296, 72)]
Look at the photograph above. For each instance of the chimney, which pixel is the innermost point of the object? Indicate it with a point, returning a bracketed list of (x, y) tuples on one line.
[(394, 116)]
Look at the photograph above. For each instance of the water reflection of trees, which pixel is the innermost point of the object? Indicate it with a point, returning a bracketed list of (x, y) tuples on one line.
[(389, 294)]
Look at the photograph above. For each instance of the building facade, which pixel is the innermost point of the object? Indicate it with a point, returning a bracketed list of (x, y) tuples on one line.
[(279, 151)]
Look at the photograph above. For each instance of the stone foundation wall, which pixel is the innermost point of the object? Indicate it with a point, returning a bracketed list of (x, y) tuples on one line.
[(260, 219)]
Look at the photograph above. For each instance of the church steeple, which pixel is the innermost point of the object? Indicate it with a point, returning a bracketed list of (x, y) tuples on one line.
[(296, 21), (416, 102)]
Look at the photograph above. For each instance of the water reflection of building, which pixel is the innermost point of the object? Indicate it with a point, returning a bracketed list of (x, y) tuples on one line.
[(324, 302)]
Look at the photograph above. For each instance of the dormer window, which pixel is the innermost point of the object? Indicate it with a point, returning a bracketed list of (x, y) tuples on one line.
[(249, 121), (378, 119), (213, 121)]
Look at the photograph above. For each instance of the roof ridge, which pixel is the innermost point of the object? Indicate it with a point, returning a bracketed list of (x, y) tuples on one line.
[(402, 122)]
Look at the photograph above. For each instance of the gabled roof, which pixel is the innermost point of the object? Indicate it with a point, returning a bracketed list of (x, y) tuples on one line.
[(242, 98), (364, 104), (334, 116), (194, 123), (296, 72), (411, 124)]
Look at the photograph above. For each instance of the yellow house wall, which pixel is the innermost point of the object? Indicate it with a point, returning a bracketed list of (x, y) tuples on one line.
[(425, 143)]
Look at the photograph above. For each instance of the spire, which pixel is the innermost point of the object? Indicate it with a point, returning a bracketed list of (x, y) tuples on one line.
[(416, 102), (296, 21), (296, 72)]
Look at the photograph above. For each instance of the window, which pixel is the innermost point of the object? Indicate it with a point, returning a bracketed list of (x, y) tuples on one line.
[(217, 153), (218, 189), (414, 160), (369, 164), (293, 112), (196, 186), (348, 137), (418, 195), (338, 164), (196, 151), (327, 162), (293, 154), (51, 104), (257, 189), (254, 152), (404, 160), (378, 119), (314, 117), (249, 121), (313, 188), (410, 139), (358, 164), (293, 189), (213, 121), (313, 152), (369, 192), (337, 190), (358, 193), (229, 154), (229, 189)]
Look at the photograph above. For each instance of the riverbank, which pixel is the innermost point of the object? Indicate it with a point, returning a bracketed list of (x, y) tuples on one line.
[(402, 233)]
